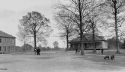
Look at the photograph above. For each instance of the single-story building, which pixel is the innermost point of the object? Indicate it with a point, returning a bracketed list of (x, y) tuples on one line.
[(88, 42), (7, 42)]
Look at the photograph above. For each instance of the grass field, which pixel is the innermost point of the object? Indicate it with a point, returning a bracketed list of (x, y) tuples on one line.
[(61, 61)]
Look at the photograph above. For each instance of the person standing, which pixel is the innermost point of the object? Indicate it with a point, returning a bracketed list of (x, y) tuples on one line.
[(38, 51), (76, 50)]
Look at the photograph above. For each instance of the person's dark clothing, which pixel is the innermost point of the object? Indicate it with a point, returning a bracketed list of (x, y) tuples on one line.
[(38, 51), (76, 50)]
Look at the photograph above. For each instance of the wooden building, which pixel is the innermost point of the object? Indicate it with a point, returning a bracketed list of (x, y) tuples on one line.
[(7, 42), (88, 42)]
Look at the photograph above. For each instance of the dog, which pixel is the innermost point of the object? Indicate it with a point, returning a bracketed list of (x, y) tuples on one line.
[(107, 57), (112, 57)]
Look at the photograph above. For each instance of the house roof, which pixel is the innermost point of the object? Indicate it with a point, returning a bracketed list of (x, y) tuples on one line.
[(3, 34), (87, 38)]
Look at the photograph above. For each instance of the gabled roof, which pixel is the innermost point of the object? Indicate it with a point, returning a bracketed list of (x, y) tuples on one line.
[(88, 38), (6, 35)]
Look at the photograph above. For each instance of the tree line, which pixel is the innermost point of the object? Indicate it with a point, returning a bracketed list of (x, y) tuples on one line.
[(91, 16), (75, 18)]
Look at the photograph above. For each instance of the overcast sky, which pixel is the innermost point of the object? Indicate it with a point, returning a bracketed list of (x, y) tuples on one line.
[(11, 11)]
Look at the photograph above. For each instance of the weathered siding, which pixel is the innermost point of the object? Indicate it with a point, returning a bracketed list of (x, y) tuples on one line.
[(7, 44)]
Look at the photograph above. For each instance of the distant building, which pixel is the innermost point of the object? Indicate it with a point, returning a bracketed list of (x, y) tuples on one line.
[(88, 42), (7, 42), (27, 47)]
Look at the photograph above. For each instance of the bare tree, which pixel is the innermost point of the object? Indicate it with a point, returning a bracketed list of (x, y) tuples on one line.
[(34, 24), (66, 25), (92, 19), (78, 10), (22, 35), (56, 44), (114, 8)]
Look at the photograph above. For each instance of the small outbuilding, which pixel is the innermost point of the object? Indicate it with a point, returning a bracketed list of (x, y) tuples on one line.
[(88, 42)]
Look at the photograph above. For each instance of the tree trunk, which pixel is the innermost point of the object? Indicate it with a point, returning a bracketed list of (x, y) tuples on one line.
[(116, 27), (81, 44), (24, 46), (34, 40), (81, 32), (82, 49), (93, 35), (67, 39)]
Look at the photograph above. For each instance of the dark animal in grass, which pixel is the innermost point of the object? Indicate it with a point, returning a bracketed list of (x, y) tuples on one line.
[(107, 57)]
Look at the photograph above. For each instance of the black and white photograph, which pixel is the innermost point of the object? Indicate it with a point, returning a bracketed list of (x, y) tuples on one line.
[(62, 35)]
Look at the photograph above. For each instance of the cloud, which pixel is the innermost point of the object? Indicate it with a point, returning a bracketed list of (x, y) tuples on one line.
[(7, 14)]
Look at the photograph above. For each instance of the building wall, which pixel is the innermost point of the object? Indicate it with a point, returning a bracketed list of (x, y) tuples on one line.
[(7, 41), (104, 45), (7, 45), (99, 45)]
